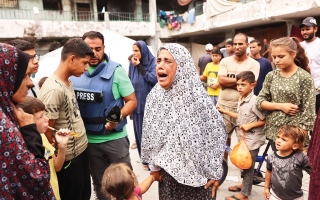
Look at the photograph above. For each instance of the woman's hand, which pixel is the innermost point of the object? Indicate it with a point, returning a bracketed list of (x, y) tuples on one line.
[(266, 193), (157, 176), (215, 186), (24, 119), (135, 61), (289, 108)]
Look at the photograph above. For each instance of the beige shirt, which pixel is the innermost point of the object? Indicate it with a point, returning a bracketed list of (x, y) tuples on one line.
[(247, 114), (61, 105), (230, 67)]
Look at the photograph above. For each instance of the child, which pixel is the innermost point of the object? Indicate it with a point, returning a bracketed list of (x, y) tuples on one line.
[(210, 74), (120, 182), (36, 108), (288, 93), (284, 166), (41, 81), (249, 118)]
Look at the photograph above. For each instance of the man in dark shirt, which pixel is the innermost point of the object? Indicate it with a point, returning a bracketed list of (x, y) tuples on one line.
[(265, 49), (205, 59), (265, 64)]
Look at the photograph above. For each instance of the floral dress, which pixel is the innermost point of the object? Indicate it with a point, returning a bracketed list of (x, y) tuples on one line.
[(297, 89)]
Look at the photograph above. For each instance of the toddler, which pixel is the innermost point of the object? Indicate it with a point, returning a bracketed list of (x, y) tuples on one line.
[(284, 166), (120, 182)]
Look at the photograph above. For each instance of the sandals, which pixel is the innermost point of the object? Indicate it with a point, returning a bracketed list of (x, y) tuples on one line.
[(237, 188), (232, 198)]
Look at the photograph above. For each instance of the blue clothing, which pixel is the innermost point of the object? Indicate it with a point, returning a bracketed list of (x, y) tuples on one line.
[(110, 80), (191, 16), (97, 85), (137, 127), (142, 85), (265, 68)]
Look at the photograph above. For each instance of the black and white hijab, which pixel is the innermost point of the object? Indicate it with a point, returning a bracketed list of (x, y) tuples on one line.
[(183, 132)]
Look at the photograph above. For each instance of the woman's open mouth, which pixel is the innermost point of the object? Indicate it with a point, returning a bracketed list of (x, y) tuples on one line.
[(162, 76)]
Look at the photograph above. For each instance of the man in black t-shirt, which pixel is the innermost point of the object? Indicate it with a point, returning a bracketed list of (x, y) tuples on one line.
[(205, 59)]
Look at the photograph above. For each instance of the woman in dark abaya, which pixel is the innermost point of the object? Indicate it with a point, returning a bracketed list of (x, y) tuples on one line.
[(142, 73)]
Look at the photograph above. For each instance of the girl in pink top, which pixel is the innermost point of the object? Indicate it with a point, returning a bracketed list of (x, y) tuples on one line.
[(120, 182)]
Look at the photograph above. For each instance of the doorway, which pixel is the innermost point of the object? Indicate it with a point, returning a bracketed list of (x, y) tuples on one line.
[(83, 12)]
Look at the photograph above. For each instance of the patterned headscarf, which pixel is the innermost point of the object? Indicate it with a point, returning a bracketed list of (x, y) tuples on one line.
[(22, 176), (11, 75), (183, 132)]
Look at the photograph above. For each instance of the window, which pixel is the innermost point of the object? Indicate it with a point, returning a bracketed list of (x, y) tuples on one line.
[(9, 4), (52, 4)]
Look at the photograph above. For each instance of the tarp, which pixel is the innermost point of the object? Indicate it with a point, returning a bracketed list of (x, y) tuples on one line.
[(197, 50), (215, 7), (117, 47)]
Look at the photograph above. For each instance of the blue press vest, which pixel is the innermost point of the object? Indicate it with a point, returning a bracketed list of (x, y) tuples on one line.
[(91, 86)]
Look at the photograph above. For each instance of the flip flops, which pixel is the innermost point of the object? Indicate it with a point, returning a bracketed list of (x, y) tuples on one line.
[(237, 188), (232, 198)]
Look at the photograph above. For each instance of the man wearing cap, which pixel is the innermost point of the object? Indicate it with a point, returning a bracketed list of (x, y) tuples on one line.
[(311, 45), (205, 59)]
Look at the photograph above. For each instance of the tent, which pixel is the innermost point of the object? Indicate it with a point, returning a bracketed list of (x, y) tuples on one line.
[(117, 47)]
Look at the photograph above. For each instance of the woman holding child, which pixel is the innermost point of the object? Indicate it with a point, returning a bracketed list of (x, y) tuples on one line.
[(183, 133)]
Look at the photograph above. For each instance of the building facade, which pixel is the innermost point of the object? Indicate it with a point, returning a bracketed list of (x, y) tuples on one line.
[(51, 22)]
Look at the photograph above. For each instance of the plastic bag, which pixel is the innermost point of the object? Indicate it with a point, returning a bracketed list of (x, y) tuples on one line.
[(240, 156)]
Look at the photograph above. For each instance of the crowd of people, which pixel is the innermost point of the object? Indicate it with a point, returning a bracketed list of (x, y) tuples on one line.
[(58, 133)]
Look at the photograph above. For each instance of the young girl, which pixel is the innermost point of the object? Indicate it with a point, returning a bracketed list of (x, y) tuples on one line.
[(120, 182), (288, 93), (284, 167)]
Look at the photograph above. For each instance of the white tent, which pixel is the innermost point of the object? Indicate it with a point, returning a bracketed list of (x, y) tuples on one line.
[(117, 47)]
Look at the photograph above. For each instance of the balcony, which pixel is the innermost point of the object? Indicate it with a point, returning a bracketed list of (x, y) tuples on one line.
[(131, 17), (52, 15)]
